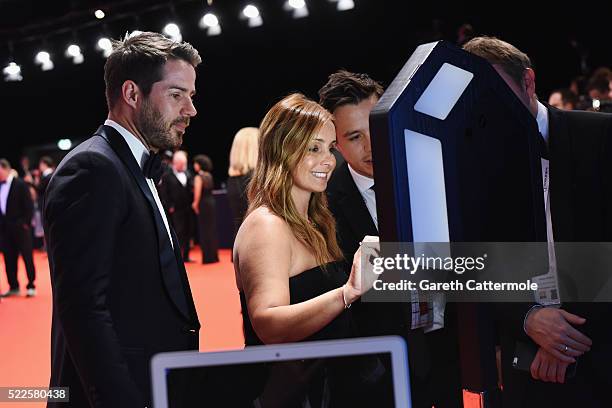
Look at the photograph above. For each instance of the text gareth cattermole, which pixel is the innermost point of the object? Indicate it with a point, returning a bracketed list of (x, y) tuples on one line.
[(412, 264)]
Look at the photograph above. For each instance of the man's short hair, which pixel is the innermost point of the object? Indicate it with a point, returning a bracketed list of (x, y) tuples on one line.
[(567, 96), (511, 60), (48, 161), (141, 58), (5, 164), (344, 88), (599, 83)]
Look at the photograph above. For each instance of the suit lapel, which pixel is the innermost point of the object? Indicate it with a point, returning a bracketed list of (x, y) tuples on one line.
[(168, 259), (183, 275), (561, 177), (352, 204)]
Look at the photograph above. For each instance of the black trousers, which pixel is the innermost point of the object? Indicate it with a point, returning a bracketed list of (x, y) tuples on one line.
[(17, 239), (181, 222)]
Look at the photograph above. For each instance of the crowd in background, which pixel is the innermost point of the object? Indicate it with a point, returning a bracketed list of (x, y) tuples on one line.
[(186, 194), (592, 93)]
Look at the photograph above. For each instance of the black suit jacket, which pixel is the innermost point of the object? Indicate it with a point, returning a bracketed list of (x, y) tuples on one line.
[(174, 195), (42, 187), (19, 210), (353, 222), (580, 148), (120, 293)]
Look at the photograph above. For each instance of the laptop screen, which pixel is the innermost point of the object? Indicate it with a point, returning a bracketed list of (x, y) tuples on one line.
[(288, 380), (318, 382)]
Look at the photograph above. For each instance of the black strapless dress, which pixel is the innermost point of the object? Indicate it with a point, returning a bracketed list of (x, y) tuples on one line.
[(305, 286)]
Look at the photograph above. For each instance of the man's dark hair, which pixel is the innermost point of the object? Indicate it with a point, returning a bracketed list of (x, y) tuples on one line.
[(599, 83), (141, 58), (567, 96), (47, 160), (344, 88), (5, 164)]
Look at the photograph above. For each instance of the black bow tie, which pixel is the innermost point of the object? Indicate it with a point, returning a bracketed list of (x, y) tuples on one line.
[(153, 167)]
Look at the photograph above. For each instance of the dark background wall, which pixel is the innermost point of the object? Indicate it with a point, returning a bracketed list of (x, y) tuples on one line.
[(246, 70)]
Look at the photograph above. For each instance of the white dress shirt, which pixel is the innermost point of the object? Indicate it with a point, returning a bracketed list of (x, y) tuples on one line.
[(141, 154), (4, 192), (181, 177), (364, 185)]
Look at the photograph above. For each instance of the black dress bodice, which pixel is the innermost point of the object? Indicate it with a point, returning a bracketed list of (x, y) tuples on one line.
[(302, 287)]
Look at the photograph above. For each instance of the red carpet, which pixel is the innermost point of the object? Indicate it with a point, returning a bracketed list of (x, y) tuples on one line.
[(25, 323)]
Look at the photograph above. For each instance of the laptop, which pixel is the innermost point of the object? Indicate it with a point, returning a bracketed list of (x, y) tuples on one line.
[(320, 374)]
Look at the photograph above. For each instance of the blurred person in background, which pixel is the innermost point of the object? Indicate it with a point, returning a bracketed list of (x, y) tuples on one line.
[(176, 191), (204, 206), (16, 211), (243, 158), (563, 99)]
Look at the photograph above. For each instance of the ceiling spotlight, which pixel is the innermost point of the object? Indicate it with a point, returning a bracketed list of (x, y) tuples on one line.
[(12, 72), (43, 58), (105, 45), (210, 22), (64, 144), (296, 4), (297, 7), (99, 14), (344, 4), (252, 13), (174, 32), (74, 51)]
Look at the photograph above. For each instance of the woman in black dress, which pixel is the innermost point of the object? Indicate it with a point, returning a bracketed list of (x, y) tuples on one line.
[(243, 158), (204, 206), (286, 254)]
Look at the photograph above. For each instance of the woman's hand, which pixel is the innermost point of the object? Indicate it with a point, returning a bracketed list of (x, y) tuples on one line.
[(361, 279), (352, 290), (195, 208)]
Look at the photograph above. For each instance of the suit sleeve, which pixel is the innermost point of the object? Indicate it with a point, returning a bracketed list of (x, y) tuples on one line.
[(85, 203), (27, 204)]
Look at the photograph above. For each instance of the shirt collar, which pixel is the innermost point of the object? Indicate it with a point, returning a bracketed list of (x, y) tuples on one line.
[(136, 147), (363, 183), (542, 119), (9, 181)]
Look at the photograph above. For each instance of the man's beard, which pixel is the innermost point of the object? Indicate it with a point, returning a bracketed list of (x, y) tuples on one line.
[(156, 132)]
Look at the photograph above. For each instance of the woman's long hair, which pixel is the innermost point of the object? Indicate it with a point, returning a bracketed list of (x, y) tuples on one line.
[(286, 132)]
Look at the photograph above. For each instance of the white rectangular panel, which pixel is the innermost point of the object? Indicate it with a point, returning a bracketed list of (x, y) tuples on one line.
[(427, 189), (443, 91)]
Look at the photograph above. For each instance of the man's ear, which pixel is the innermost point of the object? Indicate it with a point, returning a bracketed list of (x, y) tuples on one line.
[(130, 93), (529, 82)]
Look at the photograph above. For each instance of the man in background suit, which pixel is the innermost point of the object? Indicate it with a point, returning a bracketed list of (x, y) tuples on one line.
[(176, 191), (578, 146), (120, 290), (434, 367), (16, 210), (46, 167)]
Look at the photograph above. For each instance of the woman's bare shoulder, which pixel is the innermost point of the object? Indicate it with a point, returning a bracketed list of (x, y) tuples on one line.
[(263, 225)]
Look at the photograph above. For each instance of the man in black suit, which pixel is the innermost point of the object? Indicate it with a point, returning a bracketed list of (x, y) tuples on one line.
[(176, 191), (434, 366), (46, 167), (578, 147), (120, 290), (16, 210)]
